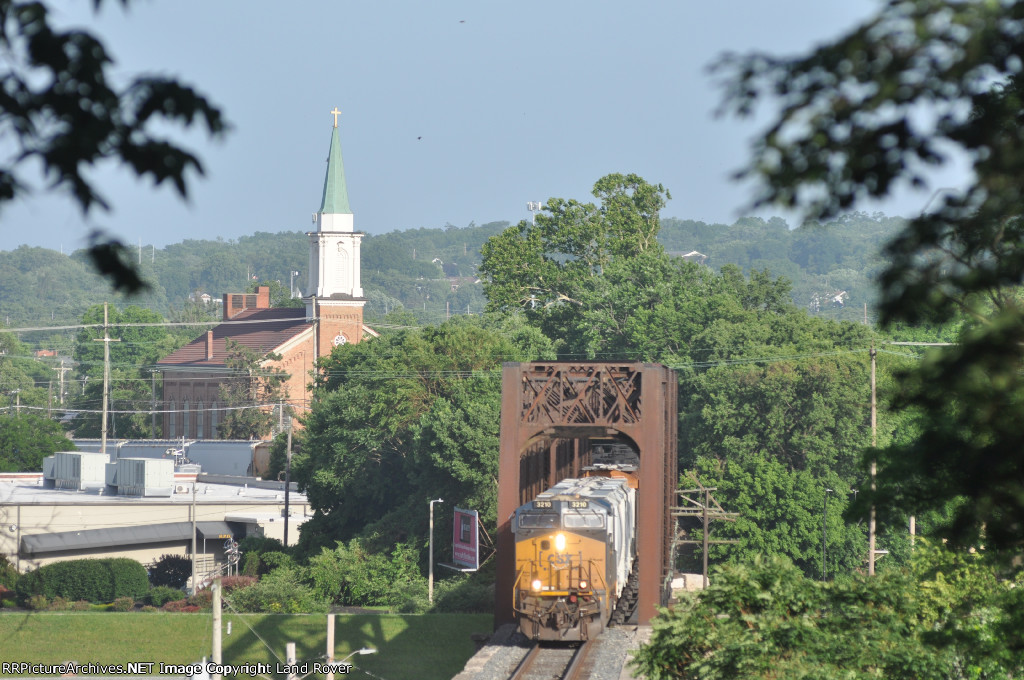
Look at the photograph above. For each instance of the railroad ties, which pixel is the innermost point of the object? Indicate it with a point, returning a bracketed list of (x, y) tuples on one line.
[(546, 662)]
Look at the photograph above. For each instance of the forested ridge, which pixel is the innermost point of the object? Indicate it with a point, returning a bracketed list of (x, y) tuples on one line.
[(431, 272)]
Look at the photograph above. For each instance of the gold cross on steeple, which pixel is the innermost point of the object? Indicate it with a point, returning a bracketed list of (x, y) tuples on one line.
[(336, 113)]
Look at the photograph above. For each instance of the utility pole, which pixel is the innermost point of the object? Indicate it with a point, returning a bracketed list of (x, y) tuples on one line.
[(106, 375), (216, 640), (700, 503), (61, 371), (195, 576), (287, 481), (874, 442), (824, 517), (430, 569), (152, 407)]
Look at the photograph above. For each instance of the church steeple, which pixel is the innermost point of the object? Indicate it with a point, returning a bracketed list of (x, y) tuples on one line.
[(334, 249), (335, 197)]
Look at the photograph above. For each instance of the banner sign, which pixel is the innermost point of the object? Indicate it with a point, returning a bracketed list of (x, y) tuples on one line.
[(465, 543)]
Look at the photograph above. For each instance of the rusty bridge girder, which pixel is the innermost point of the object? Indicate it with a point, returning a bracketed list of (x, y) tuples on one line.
[(550, 411)]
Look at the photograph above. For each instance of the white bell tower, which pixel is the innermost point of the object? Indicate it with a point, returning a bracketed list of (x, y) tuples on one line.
[(335, 293)]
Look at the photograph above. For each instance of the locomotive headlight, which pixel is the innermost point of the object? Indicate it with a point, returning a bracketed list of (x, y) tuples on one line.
[(536, 584), (560, 542), (583, 584)]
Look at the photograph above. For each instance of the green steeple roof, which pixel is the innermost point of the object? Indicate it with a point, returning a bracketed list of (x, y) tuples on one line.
[(335, 198)]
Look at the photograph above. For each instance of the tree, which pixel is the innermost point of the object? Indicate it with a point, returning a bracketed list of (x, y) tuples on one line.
[(549, 269), (250, 393), (142, 341), (171, 571), (63, 114), (403, 418), (26, 439), (920, 85)]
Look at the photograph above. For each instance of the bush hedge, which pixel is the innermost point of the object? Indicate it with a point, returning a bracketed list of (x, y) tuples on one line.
[(8, 573), (161, 595), (102, 580)]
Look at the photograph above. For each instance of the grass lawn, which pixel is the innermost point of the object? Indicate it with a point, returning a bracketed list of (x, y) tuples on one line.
[(427, 647)]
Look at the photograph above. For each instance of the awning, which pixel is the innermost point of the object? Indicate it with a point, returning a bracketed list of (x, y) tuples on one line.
[(214, 530), (169, 532)]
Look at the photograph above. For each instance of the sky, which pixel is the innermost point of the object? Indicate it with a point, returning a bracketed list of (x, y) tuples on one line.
[(452, 112)]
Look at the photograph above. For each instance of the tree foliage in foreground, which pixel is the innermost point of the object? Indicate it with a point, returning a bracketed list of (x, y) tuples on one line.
[(920, 85), (948, 616), (63, 114)]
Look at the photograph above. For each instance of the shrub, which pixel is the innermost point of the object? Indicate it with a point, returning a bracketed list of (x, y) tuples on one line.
[(8, 603), (122, 604), (233, 583), (149, 608), (94, 580), (203, 599), (278, 592), (251, 564), (172, 571), (81, 606), (180, 606), (351, 575), (161, 595), (463, 595), (38, 602), (8, 574), (253, 549), (59, 604), (260, 544), (128, 577), (412, 597)]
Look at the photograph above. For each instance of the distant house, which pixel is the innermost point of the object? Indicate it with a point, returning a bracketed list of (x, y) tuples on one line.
[(332, 316)]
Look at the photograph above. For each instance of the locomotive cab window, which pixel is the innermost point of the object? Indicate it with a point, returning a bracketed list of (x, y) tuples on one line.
[(537, 521), (583, 521)]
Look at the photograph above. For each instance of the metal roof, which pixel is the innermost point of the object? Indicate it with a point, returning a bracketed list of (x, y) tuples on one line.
[(268, 329), (35, 544), (335, 198)]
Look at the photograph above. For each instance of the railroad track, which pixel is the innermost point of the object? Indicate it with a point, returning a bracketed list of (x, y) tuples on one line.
[(545, 663)]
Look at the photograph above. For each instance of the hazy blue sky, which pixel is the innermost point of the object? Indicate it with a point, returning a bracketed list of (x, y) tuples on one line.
[(452, 111)]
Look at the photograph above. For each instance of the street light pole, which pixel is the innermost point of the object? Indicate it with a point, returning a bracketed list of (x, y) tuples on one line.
[(430, 563), (364, 650)]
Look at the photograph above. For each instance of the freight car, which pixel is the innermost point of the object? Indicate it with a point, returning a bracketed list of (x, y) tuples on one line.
[(575, 557)]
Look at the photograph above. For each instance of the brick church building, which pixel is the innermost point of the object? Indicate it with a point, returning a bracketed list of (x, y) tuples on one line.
[(333, 315)]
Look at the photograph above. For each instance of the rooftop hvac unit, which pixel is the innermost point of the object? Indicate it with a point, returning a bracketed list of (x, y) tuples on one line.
[(79, 470), (145, 477)]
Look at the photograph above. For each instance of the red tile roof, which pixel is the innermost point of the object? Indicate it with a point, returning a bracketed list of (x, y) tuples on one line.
[(263, 330)]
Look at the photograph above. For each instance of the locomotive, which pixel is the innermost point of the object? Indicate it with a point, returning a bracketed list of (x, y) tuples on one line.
[(575, 556)]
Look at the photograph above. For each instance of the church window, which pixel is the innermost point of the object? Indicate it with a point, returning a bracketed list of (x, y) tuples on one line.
[(172, 420), (200, 418)]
